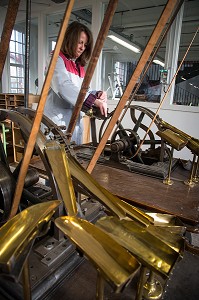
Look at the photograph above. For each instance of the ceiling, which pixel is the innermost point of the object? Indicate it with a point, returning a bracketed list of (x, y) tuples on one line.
[(134, 20)]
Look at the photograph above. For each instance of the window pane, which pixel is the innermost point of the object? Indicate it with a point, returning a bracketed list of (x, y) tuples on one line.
[(13, 91), (13, 71), (12, 46), (20, 72), (17, 62), (19, 48), (13, 35), (12, 58), (20, 59), (13, 82), (19, 37)]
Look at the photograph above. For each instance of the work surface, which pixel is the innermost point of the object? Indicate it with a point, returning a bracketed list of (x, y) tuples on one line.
[(150, 193)]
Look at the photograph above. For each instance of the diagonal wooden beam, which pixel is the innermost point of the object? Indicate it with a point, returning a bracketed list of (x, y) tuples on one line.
[(7, 31), (39, 113), (167, 12), (92, 64)]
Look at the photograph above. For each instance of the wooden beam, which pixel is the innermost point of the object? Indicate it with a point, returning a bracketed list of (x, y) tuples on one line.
[(92, 64), (39, 113), (7, 31), (167, 12)]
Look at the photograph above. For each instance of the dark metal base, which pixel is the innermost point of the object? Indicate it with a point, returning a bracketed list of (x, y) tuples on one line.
[(50, 262), (157, 169), (48, 268), (183, 282)]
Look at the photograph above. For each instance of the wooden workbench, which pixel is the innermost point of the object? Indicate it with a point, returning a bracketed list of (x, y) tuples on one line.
[(150, 193)]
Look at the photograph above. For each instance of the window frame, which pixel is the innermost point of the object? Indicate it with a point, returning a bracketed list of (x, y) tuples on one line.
[(17, 43)]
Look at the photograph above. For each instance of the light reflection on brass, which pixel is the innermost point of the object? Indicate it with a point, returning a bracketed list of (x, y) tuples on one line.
[(116, 205), (114, 262), (153, 247), (190, 181), (58, 161), (18, 234), (169, 237), (195, 176), (61, 168), (169, 222), (152, 289), (177, 141), (168, 180), (192, 143)]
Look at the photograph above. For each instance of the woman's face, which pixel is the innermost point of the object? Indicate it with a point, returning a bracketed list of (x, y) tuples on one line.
[(81, 46)]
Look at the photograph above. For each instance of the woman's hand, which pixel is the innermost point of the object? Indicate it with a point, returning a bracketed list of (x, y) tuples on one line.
[(102, 105), (103, 96)]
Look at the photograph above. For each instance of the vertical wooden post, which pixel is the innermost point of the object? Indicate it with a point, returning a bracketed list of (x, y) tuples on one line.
[(7, 31), (140, 66), (93, 62), (39, 113)]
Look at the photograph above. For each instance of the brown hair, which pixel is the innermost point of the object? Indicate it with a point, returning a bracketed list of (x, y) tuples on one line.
[(71, 40)]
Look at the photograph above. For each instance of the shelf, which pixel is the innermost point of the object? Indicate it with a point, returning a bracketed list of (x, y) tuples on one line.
[(18, 143), (8, 100)]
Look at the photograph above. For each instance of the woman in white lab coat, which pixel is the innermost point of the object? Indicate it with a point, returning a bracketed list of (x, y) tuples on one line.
[(67, 79)]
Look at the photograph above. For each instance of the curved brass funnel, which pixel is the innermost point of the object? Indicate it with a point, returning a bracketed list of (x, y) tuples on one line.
[(19, 233), (113, 262)]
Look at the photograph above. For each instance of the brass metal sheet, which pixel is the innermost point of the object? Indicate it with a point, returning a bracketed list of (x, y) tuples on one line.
[(59, 163), (17, 235), (116, 264), (154, 247), (116, 205)]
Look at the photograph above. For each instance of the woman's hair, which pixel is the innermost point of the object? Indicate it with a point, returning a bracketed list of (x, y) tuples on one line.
[(71, 40)]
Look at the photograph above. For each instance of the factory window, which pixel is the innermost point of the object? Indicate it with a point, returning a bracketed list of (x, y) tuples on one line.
[(17, 56)]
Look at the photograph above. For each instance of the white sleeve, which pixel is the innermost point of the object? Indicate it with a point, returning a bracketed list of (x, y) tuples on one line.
[(64, 85)]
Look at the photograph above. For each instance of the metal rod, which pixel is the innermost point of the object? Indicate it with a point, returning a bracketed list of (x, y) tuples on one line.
[(92, 64), (7, 31), (99, 287), (195, 176), (26, 281), (190, 181), (168, 180), (39, 113), (141, 283), (152, 289), (140, 66), (27, 52)]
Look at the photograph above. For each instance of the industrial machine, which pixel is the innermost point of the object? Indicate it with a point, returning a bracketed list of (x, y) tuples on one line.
[(53, 257)]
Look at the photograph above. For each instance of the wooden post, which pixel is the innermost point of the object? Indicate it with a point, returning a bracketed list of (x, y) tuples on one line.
[(39, 113), (140, 66), (92, 64), (7, 31)]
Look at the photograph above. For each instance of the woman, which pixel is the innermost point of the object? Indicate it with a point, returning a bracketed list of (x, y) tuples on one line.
[(67, 80)]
